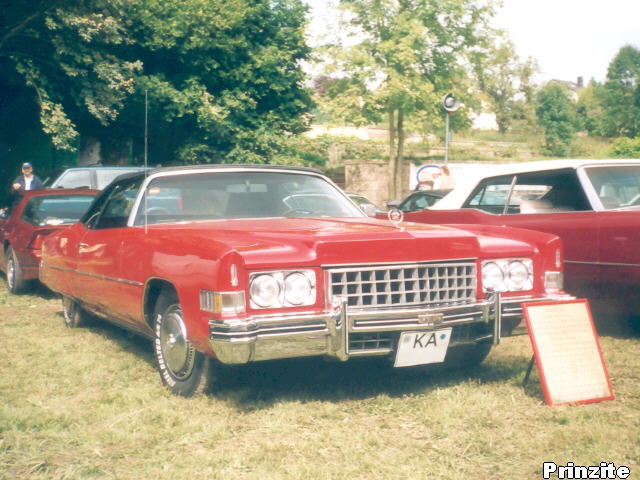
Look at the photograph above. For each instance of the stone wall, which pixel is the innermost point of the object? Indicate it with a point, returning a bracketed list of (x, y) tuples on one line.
[(371, 179)]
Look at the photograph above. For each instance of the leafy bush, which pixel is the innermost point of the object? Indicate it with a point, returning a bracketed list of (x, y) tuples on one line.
[(626, 148)]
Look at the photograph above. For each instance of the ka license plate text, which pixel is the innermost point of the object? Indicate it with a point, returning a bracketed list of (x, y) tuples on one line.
[(420, 348)]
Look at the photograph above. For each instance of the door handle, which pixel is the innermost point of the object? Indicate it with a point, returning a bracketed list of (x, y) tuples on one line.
[(82, 245)]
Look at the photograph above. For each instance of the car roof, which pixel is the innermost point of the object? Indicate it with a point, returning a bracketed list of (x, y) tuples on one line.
[(109, 167), (463, 189), (229, 166)]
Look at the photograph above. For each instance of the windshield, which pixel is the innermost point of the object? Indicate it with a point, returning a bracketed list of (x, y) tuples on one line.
[(618, 186), (56, 209), (106, 176), (216, 195)]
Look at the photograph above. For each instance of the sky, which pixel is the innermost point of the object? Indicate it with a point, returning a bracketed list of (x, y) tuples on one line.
[(568, 38), (571, 38)]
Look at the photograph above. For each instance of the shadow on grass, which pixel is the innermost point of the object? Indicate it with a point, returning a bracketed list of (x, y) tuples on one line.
[(32, 287), (128, 341), (260, 385)]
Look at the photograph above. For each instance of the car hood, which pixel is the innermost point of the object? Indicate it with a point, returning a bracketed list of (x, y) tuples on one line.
[(266, 243)]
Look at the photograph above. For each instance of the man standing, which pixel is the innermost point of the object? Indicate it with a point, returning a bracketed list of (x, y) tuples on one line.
[(27, 181)]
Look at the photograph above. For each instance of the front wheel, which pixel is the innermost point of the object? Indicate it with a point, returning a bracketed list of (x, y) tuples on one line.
[(15, 278), (183, 369), (74, 315)]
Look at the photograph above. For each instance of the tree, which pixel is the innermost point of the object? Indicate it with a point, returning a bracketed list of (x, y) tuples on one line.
[(620, 96), (223, 78), (64, 51), (558, 118), (403, 56), (503, 78)]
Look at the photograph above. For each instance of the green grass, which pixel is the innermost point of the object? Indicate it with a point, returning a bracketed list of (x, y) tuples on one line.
[(88, 404)]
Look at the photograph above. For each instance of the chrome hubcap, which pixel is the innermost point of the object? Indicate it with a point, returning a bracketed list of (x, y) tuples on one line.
[(177, 351), (67, 309), (11, 273)]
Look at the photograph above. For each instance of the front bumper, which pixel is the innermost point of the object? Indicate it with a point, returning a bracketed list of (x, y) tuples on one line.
[(344, 333)]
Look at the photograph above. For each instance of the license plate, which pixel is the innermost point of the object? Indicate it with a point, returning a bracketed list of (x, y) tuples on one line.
[(420, 348)]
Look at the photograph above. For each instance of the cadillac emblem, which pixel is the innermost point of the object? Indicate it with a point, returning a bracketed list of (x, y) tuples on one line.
[(395, 216)]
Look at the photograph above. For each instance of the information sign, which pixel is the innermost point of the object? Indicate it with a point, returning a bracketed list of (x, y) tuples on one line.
[(567, 352)]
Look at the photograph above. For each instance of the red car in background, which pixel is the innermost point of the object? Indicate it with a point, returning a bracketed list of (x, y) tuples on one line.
[(592, 205), (24, 226)]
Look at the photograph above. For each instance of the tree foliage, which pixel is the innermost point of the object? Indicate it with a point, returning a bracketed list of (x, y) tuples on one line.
[(504, 78), (66, 52), (558, 118), (222, 78), (397, 60), (612, 108)]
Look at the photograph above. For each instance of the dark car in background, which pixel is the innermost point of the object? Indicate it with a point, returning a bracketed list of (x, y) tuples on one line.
[(418, 200), (366, 205), (24, 226), (91, 177)]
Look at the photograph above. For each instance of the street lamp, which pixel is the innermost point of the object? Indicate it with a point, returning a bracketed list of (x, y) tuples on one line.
[(450, 104)]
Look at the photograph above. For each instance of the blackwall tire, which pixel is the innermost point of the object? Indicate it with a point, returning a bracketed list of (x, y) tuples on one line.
[(184, 370), (74, 316), (15, 280)]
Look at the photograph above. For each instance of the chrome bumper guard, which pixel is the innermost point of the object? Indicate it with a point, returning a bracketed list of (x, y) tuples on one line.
[(344, 333)]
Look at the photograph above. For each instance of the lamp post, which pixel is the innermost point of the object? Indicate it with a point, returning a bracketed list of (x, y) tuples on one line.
[(450, 104)]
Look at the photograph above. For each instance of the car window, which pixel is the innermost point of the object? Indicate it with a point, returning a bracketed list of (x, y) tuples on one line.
[(105, 176), (223, 195), (617, 186), (74, 179), (56, 209), (536, 192), (114, 206), (418, 201)]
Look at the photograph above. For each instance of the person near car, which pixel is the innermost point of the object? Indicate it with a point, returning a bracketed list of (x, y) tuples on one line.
[(27, 181)]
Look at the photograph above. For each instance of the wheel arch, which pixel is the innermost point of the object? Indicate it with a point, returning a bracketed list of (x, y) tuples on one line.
[(153, 288)]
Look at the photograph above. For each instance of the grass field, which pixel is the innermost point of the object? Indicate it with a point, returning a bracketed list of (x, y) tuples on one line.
[(88, 404)]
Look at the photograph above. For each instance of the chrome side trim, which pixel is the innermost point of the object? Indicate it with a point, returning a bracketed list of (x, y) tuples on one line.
[(94, 275), (603, 264)]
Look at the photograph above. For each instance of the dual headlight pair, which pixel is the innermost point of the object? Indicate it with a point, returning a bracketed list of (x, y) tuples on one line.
[(282, 289), (507, 275)]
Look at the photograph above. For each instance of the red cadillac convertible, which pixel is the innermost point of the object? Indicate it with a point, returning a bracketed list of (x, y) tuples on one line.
[(23, 227), (237, 264)]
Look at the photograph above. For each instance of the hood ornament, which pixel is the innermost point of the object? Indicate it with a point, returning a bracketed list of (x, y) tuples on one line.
[(395, 216)]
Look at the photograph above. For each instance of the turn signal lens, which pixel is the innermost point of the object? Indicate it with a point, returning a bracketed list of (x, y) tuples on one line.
[(553, 281)]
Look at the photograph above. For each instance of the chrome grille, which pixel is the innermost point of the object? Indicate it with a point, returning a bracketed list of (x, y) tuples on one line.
[(405, 285)]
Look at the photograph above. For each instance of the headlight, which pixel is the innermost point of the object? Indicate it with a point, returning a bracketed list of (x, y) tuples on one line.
[(297, 288), (282, 289), (265, 290), (493, 277), (507, 275), (520, 277)]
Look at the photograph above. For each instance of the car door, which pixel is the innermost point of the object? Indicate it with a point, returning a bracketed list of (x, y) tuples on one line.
[(101, 272)]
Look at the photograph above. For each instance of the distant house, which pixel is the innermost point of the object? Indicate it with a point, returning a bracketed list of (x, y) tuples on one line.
[(573, 88)]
